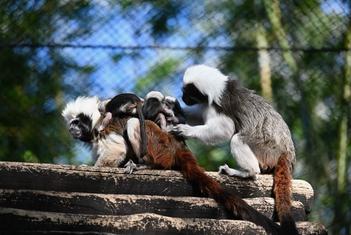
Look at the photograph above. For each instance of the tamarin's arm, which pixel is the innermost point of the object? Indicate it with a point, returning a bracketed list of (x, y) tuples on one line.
[(216, 130), (104, 123)]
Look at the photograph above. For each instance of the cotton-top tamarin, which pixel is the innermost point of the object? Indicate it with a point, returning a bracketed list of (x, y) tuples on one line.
[(260, 140)]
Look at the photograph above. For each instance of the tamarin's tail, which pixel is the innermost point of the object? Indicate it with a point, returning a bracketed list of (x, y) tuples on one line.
[(143, 135), (282, 192), (237, 207)]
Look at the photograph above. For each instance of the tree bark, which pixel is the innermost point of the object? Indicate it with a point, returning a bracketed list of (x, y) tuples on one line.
[(342, 153), (264, 63), (274, 14)]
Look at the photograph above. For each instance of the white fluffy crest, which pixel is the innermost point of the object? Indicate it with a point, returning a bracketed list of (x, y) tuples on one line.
[(171, 99), (208, 80), (86, 105), (155, 94)]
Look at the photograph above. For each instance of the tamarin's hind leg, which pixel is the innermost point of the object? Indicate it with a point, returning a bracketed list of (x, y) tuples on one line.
[(134, 136), (115, 150), (233, 172), (245, 158), (133, 133)]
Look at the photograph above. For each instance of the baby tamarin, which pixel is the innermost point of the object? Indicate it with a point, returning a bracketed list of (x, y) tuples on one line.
[(164, 110), (124, 105)]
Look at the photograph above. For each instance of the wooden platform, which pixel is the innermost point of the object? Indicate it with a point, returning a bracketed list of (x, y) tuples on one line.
[(56, 199)]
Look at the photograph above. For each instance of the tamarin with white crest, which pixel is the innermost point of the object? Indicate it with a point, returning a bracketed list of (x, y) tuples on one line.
[(260, 140), (85, 117)]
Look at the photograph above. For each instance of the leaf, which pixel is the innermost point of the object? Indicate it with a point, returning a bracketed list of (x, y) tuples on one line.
[(157, 74)]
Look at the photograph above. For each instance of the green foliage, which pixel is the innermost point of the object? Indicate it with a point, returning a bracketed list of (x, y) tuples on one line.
[(156, 74), (160, 15), (31, 80)]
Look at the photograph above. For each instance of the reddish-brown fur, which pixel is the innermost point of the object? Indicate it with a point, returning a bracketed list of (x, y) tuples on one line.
[(282, 191), (165, 152)]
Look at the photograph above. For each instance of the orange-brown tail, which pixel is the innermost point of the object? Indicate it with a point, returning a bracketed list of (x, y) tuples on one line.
[(282, 192), (237, 207)]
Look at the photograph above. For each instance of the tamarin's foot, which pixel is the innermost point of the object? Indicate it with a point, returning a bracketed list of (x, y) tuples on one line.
[(130, 167), (233, 172)]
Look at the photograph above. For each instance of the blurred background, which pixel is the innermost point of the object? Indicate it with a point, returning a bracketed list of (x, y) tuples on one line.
[(297, 54)]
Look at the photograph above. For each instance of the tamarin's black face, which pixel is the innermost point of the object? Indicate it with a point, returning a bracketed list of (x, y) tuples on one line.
[(151, 108), (81, 128), (191, 95)]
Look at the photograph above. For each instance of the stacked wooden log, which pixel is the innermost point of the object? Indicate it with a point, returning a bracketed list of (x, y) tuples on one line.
[(56, 199)]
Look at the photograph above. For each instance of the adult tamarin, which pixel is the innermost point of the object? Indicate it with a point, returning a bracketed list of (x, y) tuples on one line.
[(259, 138), (109, 146), (164, 151)]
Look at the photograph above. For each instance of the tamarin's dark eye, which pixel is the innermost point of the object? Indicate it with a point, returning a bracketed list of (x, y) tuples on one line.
[(75, 122)]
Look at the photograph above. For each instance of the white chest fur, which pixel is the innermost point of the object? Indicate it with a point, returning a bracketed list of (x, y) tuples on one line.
[(111, 151)]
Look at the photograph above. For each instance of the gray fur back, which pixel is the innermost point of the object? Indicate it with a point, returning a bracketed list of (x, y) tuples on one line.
[(258, 124)]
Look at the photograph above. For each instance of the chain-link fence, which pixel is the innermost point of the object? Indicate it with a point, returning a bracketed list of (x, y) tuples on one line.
[(114, 46), (295, 53)]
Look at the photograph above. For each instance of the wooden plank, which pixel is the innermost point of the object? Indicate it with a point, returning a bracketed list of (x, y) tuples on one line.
[(13, 220), (148, 223), (70, 178), (112, 204)]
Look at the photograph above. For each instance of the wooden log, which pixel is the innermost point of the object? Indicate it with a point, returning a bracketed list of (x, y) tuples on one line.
[(112, 204), (148, 223), (13, 220), (70, 178)]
